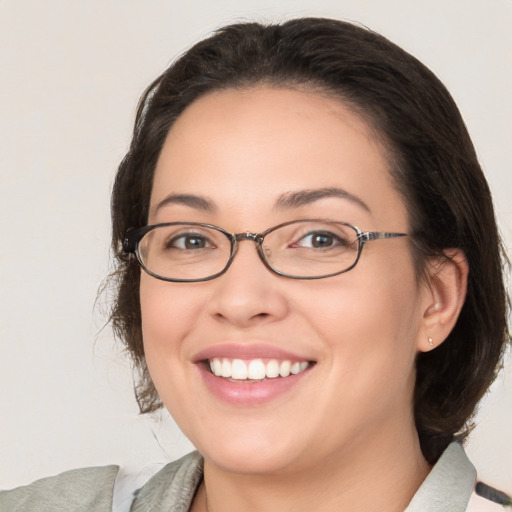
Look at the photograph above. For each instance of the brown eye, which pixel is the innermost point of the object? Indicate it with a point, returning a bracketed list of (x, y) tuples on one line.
[(189, 241), (320, 240)]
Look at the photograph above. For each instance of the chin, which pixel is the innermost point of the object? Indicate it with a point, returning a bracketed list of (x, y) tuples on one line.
[(250, 460), (250, 452)]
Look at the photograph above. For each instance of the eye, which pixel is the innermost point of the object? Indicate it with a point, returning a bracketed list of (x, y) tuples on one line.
[(189, 241), (320, 240)]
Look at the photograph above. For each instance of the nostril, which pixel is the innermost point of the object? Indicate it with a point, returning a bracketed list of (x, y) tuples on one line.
[(257, 315)]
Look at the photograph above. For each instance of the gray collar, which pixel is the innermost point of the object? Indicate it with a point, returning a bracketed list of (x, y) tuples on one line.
[(449, 485), (173, 488)]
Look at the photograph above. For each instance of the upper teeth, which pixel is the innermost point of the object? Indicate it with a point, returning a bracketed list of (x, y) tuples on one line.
[(255, 369)]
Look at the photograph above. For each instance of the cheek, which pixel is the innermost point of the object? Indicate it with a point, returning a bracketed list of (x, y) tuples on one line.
[(166, 308), (167, 317), (168, 314), (370, 322)]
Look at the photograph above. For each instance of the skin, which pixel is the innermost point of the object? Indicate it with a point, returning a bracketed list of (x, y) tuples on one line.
[(343, 438)]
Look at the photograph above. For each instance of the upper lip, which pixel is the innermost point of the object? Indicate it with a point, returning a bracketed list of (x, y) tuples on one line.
[(248, 351)]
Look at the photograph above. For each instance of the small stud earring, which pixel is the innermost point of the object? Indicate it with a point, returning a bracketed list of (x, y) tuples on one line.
[(430, 341)]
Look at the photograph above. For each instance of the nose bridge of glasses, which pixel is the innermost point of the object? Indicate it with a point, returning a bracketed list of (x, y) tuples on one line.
[(255, 237)]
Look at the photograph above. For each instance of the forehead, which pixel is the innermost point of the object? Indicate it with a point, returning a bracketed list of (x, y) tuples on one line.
[(245, 148)]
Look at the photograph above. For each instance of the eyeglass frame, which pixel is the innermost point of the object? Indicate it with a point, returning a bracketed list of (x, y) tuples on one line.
[(133, 236)]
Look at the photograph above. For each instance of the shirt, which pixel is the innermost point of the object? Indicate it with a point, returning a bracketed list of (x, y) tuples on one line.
[(449, 487)]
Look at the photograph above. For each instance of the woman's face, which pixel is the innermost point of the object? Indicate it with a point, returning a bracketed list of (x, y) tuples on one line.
[(234, 159)]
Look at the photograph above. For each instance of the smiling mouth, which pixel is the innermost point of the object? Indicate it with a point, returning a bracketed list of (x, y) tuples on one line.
[(255, 370)]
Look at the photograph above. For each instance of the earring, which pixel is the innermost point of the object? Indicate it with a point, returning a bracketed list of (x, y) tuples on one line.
[(430, 341)]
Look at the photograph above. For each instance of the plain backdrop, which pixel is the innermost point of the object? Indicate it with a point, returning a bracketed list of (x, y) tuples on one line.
[(71, 74)]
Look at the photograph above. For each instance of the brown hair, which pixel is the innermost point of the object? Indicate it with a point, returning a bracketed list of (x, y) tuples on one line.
[(433, 162)]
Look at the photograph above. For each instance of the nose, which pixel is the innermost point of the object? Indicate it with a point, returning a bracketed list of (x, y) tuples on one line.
[(248, 293)]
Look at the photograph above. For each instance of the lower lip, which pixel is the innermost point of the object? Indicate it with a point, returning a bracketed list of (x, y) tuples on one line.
[(247, 393)]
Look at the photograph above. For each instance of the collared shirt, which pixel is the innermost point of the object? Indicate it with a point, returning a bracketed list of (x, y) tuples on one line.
[(449, 487)]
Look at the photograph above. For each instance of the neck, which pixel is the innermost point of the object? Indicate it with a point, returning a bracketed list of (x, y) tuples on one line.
[(365, 477)]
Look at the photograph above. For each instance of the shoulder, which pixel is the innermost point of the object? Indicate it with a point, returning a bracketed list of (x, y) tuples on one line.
[(79, 489)]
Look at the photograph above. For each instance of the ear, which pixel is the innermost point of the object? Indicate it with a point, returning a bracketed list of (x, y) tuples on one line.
[(443, 297)]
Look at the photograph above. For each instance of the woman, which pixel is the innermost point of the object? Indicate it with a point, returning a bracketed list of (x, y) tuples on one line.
[(333, 365)]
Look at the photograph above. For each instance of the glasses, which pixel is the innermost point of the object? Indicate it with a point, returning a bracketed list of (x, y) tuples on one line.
[(300, 249)]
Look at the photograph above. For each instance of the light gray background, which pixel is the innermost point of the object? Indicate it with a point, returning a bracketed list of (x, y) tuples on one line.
[(71, 74)]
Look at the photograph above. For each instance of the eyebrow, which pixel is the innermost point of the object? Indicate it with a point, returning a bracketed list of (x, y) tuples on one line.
[(305, 197), (286, 201), (197, 202)]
